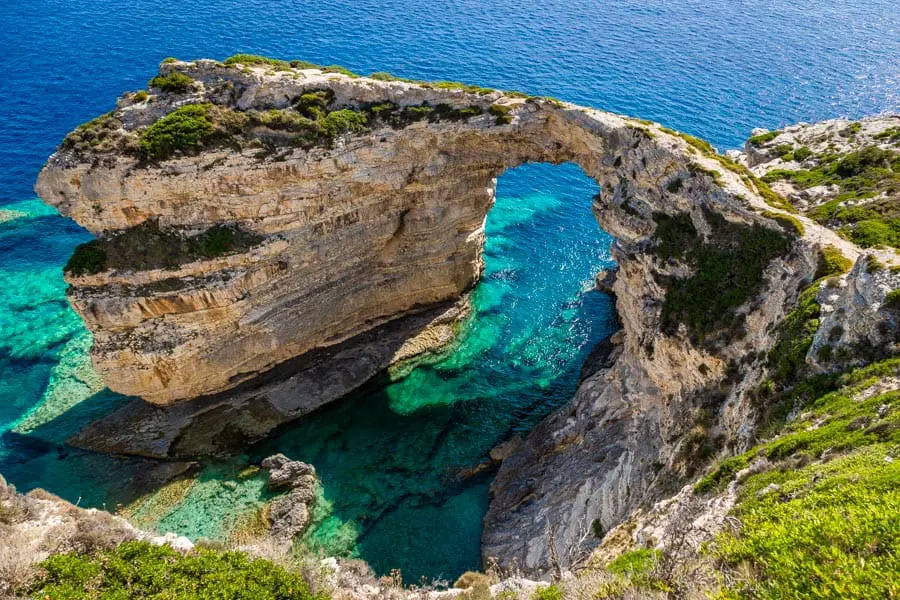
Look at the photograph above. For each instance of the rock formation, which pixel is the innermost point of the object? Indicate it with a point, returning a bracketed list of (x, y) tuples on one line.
[(271, 237), (289, 515)]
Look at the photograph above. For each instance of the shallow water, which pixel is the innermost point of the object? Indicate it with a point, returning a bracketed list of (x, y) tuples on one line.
[(389, 456)]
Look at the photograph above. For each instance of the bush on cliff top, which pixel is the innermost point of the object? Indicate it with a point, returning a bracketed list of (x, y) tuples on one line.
[(140, 570), (174, 82), (184, 130)]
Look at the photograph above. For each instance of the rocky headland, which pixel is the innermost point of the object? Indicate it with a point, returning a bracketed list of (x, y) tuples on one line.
[(271, 235)]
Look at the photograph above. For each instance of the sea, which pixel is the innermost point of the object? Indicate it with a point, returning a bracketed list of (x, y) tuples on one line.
[(395, 459)]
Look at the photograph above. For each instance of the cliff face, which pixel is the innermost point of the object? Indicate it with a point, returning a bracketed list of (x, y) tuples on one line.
[(321, 221)]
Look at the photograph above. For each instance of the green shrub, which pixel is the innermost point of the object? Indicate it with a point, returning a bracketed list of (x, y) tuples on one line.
[(456, 85), (548, 592), (794, 336), (891, 134), (146, 246), (87, 259), (832, 262), (341, 70), (501, 112), (802, 153), (783, 150), (184, 130), (169, 59), (759, 140), (728, 270), (892, 300), (344, 121), (302, 64), (140, 96), (873, 265), (140, 570), (721, 474), (789, 223), (874, 232), (175, 82), (99, 135), (255, 59)]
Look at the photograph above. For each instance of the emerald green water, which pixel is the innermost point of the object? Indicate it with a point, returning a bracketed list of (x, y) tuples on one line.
[(391, 457)]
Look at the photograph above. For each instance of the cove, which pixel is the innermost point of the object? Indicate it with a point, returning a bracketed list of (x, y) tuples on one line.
[(391, 457)]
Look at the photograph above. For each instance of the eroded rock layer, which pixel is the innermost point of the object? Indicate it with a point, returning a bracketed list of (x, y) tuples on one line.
[(309, 209)]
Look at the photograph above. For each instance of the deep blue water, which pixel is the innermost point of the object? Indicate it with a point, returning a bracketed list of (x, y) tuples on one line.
[(715, 69)]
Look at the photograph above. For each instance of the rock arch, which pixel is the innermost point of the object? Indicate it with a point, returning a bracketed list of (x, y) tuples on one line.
[(359, 246)]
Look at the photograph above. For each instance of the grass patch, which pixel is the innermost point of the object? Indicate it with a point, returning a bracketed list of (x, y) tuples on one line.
[(832, 262), (465, 87), (789, 223), (501, 112), (890, 135), (257, 60), (140, 570), (820, 521), (101, 134), (794, 336), (759, 140), (728, 271)]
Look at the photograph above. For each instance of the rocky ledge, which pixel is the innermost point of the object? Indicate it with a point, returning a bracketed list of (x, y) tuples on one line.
[(258, 220)]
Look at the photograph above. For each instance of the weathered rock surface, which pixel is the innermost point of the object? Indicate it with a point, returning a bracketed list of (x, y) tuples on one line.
[(287, 473), (219, 423), (289, 514), (859, 323), (386, 223)]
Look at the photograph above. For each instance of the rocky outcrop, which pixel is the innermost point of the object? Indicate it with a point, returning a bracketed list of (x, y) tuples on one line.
[(289, 514), (859, 320), (344, 223)]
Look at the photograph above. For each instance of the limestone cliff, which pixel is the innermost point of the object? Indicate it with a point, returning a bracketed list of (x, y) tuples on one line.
[(272, 236)]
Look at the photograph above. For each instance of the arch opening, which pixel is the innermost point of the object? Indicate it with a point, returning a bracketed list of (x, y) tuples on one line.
[(405, 462)]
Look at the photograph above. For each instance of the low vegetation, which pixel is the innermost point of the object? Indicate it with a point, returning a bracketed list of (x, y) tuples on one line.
[(759, 140), (140, 570), (832, 262), (867, 207), (186, 130), (173, 83), (747, 177), (103, 134), (818, 516), (146, 246), (728, 270)]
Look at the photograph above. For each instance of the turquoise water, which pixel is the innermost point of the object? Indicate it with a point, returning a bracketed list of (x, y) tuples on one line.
[(389, 456)]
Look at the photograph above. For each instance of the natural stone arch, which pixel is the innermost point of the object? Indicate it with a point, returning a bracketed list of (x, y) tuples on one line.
[(385, 224), (367, 242)]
